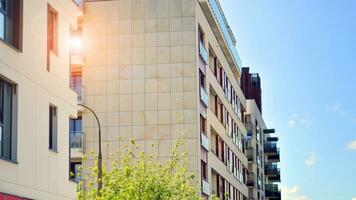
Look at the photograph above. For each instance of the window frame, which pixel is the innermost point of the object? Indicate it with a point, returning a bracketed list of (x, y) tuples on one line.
[(17, 20), (53, 129), (12, 126)]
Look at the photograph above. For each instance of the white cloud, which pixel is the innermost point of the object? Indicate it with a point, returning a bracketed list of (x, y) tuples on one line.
[(353, 198), (311, 160), (336, 108), (351, 146), (295, 120), (293, 193)]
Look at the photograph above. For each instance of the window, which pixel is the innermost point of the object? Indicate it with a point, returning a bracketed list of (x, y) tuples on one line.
[(75, 171), (10, 22), (76, 133), (7, 120), (53, 128), (204, 170), (52, 33), (202, 124)]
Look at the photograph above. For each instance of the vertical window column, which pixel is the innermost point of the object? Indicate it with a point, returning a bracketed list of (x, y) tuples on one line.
[(53, 128)]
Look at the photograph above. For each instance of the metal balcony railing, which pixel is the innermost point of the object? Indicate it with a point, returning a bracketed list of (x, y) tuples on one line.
[(76, 139)]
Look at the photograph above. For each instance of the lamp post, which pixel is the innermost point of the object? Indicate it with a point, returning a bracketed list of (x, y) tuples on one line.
[(100, 156)]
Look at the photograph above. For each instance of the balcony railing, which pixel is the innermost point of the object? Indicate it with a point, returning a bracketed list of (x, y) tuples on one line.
[(203, 96), (203, 53), (206, 187), (251, 179), (272, 170), (226, 31), (270, 147), (272, 191), (79, 89), (79, 3), (250, 154), (76, 139), (204, 141)]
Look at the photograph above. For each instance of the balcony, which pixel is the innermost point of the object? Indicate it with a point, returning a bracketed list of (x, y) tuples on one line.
[(269, 131), (272, 172), (274, 158), (250, 155), (272, 139), (206, 187), (76, 140), (222, 31), (204, 96), (272, 192), (78, 3), (79, 89), (203, 53), (251, 180), (270, 148), (205, 141)]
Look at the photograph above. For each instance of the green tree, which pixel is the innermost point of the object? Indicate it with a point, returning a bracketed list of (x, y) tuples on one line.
[(140, 176)]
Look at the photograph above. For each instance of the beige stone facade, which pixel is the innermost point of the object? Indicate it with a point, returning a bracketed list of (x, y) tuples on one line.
[(33, 170), (142, 70)]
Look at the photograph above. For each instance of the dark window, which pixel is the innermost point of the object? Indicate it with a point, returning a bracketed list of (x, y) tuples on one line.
[(7, 137), (53, 128), (203, 125), (10, 22), (204, 170), (75, 171), (52, 34)]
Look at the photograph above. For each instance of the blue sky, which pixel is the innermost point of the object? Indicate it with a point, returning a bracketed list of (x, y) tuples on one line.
[(305, 52)]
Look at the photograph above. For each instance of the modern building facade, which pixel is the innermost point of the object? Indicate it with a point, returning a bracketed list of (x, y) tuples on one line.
[(261, 149), (156, 71), (36, 101), (162, 70)]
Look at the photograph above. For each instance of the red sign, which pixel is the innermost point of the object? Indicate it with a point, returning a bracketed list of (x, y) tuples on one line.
[(10, 197)]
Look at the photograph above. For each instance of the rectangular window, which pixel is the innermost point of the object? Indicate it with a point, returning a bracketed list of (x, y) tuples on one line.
[(75, 171), (204, 170), (53, 127), (10, 22), (52, 33), (7, 118)]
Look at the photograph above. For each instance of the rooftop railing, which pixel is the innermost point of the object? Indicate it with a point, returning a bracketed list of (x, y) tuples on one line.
[(226, 31)]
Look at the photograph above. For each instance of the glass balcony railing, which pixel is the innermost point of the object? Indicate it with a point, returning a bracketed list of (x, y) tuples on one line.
[(204, 141), (78, 2), (203, 53), (76, 139), (203, 96), (272, 169), (79, 89), (225, 29), (272, 191), (206, 188), (270, 147)]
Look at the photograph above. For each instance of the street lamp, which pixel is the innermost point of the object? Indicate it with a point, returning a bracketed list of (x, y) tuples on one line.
[(100, 156)]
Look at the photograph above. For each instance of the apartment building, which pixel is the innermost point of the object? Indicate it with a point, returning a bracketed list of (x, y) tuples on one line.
[(36, 101), (162, 70), (261, 149)]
